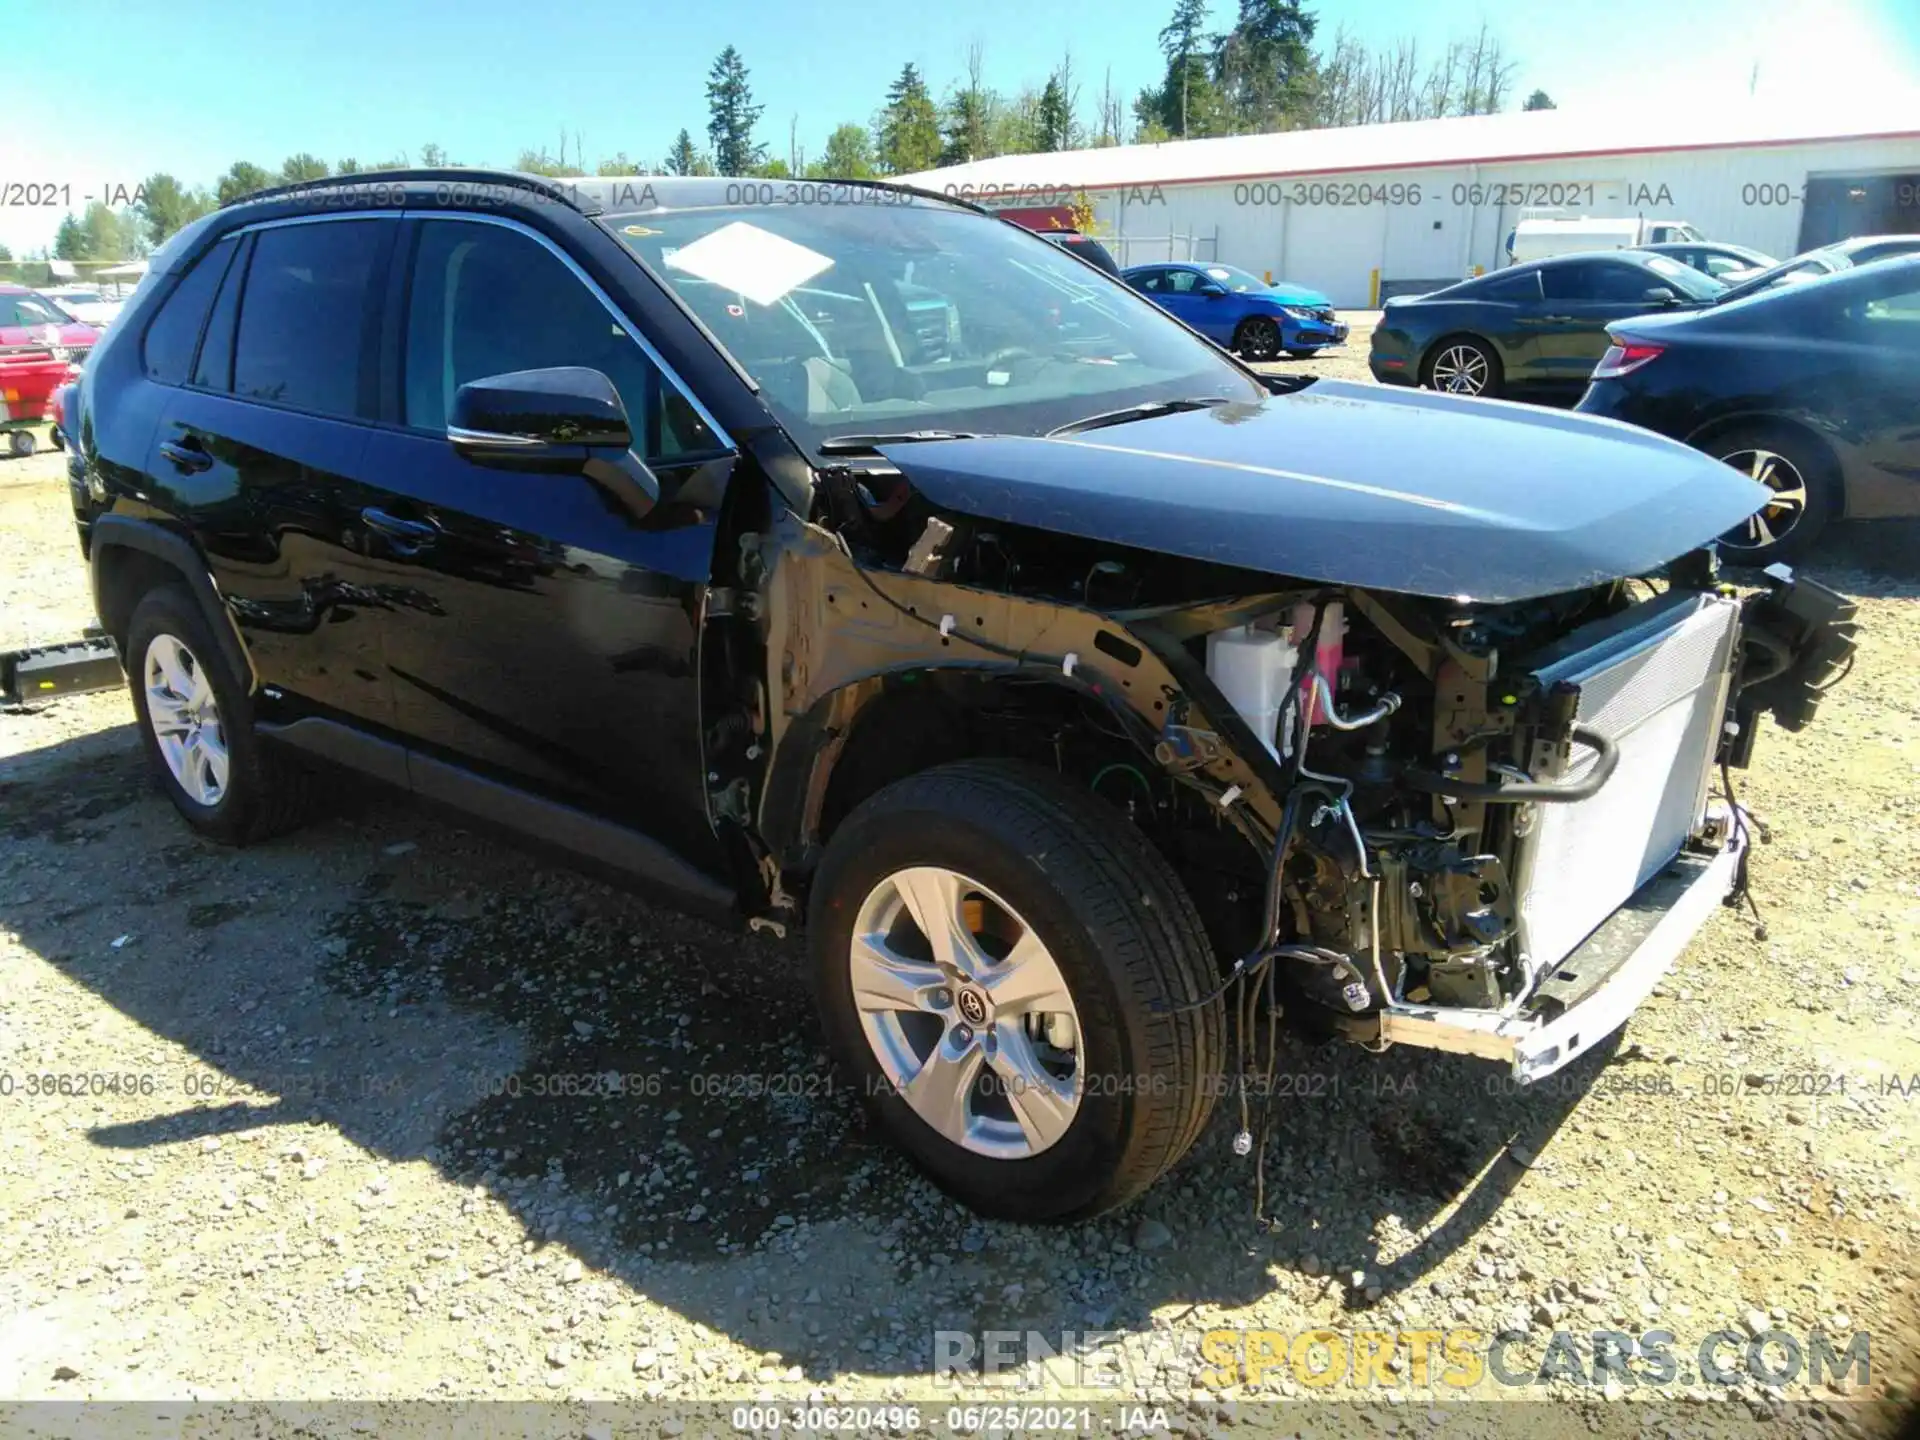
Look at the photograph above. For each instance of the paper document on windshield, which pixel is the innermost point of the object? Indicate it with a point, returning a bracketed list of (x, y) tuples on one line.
[(756, 263)]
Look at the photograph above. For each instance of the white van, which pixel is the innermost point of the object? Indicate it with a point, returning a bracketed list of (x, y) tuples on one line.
[(1537, 239)]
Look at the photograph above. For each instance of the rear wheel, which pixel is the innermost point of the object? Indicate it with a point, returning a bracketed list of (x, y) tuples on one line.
[(196, 725), (1257, 339), (1463, 365), (1020, 987), (1806, 492), (21, 443)]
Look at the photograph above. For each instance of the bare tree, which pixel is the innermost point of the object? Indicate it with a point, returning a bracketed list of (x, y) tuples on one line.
[(1487, 75), (1110, 113), (1070, 92), (1357, 86)]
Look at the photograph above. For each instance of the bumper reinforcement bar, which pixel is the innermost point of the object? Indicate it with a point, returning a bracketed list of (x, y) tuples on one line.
[(1591, 993)]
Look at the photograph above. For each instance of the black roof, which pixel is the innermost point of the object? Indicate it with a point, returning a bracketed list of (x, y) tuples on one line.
[(592, 194)]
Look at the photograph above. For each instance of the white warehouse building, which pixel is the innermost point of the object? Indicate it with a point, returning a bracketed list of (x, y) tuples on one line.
[(1374, 210)]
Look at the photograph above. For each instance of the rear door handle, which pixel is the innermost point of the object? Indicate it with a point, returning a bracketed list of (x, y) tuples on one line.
[(186, 455), (1558, 319), (413, 532)]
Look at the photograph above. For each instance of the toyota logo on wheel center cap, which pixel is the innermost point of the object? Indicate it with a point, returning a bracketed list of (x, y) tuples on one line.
[(973, 1006)]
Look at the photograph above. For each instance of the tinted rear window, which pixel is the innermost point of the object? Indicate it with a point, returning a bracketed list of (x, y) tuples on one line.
[(176, 328), (1092, 251), (1521, 287), (303, 316)]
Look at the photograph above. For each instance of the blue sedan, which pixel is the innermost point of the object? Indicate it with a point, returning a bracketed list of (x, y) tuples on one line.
[(1241, 311)]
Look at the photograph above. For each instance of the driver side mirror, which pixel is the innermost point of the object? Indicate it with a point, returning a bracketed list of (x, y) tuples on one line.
[(564, 420), (1213, 292), (1659, 295)]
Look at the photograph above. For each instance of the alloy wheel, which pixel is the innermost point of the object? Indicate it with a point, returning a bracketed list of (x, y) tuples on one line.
[(1461, 370), (1775, 520), (966, 1012), (186, 720), (1260, 340)]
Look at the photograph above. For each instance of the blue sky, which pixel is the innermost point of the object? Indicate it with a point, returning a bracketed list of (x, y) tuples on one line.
[(189, 86)]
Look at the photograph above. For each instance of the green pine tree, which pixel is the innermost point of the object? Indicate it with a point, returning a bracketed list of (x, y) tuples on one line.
[(240, 181), (167, 206), (909, 126), (732, 115), (1054, 120)]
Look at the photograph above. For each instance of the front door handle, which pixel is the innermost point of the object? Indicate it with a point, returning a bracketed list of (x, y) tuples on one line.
[(1557, 319), (408, 534), (186, 455)]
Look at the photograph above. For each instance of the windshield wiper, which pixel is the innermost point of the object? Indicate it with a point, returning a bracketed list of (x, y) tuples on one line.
[(859, 444), (1145, 411)]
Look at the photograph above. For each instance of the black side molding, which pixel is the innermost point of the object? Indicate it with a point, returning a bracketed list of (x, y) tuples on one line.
[(550, 823), (124, 532), (343, 745)]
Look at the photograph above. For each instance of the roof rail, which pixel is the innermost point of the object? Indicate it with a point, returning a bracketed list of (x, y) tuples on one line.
[(541, 185)]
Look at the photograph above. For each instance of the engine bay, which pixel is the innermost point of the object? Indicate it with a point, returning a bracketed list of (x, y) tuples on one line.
[(1361, 790)]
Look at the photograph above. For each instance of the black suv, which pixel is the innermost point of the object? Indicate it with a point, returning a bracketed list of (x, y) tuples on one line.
[(842, 559)]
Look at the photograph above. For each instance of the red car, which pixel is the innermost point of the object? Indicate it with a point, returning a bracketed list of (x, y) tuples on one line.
[(41, 347)]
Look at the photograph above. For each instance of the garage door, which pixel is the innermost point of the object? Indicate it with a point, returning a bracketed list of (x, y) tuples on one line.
[(1838, 207)]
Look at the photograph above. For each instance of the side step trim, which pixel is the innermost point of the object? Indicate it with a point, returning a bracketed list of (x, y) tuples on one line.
[(1536, 1048), (584, 836)]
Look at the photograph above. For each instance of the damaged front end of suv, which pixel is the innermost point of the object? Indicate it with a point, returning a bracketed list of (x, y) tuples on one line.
[(1436, 755), (1075, 688)]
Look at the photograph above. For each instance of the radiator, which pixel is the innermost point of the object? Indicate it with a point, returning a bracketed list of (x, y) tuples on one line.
[(1654, 681)]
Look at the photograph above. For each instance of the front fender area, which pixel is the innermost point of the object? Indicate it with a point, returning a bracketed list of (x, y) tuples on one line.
[(880, 673)]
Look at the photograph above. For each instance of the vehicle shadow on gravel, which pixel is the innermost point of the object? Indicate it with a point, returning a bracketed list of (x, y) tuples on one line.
[(436, 996), (1875, 558)]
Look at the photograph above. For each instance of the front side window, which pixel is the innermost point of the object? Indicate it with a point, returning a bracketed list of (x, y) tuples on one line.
[(487, 300), (304, 316), (1888, 315), (1569, 282), (1622, 284), (831, 308)]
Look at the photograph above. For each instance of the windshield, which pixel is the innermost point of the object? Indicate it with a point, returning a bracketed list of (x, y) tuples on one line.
[(1686, 280), (882, 319), (39, 310), (1236, 280), (1800, 267)]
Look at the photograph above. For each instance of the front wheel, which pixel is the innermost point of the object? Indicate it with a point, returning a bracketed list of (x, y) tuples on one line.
[(1464, 366), (1258, 339), (1019, 985)]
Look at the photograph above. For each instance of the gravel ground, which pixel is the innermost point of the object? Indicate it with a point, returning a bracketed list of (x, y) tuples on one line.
[(339, 1148)]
